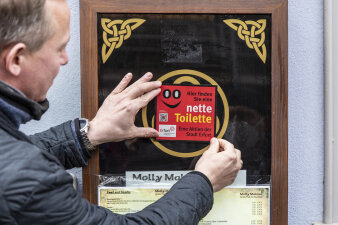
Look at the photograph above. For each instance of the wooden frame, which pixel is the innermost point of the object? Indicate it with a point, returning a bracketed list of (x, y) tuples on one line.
[(279, 77)]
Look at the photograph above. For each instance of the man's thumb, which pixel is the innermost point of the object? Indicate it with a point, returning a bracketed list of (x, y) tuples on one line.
[(214, 145), (145, 132)]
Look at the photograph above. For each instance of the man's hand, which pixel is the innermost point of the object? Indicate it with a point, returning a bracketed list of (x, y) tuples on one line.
[(220, 163), (115, 120)]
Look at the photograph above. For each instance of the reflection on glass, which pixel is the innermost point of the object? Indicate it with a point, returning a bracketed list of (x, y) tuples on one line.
[(167, 42)]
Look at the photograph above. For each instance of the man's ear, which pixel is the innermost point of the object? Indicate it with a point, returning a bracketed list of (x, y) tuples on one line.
[(14, 58)]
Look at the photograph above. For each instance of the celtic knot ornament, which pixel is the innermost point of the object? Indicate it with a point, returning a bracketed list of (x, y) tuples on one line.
[(115, 32), (252, 33)]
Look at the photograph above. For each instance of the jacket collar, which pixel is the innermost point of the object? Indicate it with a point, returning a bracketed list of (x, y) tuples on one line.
[(17, 107)]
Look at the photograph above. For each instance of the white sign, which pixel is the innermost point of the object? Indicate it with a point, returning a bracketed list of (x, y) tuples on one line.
[(167, 178)]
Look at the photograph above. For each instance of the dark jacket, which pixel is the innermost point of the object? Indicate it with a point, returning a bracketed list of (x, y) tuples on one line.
[(36, 189)]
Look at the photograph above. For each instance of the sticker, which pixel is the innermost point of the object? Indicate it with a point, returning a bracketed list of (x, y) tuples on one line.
[(197, 78), (186, 112)]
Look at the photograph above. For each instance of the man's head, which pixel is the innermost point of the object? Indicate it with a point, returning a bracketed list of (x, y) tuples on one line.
[(33, 37), (23, 21)]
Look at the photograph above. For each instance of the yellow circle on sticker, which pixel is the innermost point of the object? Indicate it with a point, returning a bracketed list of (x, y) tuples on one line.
[(189, 76)]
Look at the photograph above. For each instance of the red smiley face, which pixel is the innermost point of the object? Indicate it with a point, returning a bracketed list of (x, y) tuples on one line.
[(171, 97)]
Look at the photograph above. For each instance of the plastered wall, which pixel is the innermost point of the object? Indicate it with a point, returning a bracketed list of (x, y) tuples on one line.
[(306, 110), (306, 151)]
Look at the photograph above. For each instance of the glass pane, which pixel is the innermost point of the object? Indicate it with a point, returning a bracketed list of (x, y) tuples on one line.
[(232, 52)]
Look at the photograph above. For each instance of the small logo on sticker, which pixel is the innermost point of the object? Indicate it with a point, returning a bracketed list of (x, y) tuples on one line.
[(167, 130)]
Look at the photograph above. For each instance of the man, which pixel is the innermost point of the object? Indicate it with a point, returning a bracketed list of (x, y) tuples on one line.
[(34, 186)]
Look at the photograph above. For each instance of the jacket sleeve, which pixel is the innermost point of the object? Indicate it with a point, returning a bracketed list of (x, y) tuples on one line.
[(188, 201), (54, 201), (61, 142)]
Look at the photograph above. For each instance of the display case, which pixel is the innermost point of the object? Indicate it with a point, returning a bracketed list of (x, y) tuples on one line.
[(223, 65)]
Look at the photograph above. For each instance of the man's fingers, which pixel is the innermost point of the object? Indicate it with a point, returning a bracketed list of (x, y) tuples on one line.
[(238, 153), (140, 89), (214, 145), (239, 160), (145, 78), (143, 100), (145, 132), (241, 163), (228, 149), (225, 145), (123, 84)]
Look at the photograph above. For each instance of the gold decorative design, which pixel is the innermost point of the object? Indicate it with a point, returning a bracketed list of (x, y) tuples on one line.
[(252, 33), (113, 37)]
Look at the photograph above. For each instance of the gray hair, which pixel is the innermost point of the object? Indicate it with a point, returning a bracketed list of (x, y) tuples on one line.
[(23, 21)]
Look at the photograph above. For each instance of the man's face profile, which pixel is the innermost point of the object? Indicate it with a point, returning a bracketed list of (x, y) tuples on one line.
[(42, 66)]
